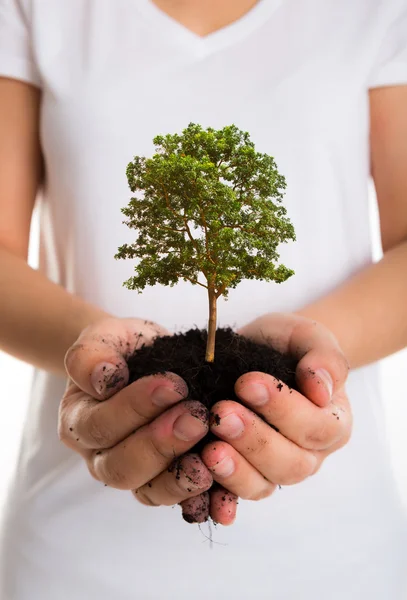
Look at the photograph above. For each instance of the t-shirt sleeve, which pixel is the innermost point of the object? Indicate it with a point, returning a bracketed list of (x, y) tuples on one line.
[(390, 67), (16, 55)]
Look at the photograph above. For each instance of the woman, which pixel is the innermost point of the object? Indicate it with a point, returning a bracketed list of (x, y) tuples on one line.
[(320, 85)]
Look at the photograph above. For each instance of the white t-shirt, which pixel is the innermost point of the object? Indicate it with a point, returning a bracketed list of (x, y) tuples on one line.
[(295, 74)]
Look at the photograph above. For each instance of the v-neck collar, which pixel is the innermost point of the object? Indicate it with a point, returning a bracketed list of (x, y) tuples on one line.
[(202, 46)]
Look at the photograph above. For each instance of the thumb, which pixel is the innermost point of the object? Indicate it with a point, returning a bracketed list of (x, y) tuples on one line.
[(97, 362)]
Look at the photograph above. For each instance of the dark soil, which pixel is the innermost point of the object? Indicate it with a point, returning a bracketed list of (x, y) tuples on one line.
[(184, 354)]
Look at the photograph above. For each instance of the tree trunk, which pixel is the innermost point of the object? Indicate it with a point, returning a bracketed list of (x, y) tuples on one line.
[(210, 344)]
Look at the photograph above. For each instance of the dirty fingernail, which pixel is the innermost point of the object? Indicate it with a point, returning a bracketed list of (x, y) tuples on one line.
[(188, 428), (231, 426), (255, 393), (164, 396), (224, 468), (326, 379), (105, 376)]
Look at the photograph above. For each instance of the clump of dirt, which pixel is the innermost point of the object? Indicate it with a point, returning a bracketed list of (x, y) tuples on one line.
[(235, 355)]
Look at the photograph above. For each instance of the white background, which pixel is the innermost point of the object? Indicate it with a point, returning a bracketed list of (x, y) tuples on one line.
[(15, 382)]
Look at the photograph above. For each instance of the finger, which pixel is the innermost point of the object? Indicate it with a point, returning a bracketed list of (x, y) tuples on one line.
[(235, 473), (322, 368), (97, 362), (186, 478), (295, 417), (196, 509), (321, 373), (152, 448), (223, 506), (86, 423), (277, 458)]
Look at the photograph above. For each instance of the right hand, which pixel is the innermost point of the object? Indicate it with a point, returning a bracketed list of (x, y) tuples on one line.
[(130, 436)]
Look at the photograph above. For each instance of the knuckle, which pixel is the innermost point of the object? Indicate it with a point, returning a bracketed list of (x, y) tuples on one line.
[(318, 438), (93, 430), (255, 451), (174, 488), (110, 472), (143, 498), (301, 468), (177, 490), (260, 494), (117, 479), (138, 411), (161, 448)]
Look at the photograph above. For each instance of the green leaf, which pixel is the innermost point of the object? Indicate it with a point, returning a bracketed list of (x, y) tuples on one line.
[(207, 209)]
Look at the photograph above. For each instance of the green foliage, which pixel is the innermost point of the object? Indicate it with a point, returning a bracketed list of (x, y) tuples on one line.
[(208, 210)]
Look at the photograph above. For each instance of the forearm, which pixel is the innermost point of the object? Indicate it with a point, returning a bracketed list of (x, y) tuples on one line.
[(368, 313), (39, 320)]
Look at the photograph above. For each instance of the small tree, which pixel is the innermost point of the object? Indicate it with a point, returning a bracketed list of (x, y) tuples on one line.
[(208, 211)]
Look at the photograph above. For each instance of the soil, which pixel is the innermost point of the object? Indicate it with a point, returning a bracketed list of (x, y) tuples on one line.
[(184, 354), (235, 355)]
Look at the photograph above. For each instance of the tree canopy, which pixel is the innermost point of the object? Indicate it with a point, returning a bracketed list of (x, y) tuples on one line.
[(208, 210)]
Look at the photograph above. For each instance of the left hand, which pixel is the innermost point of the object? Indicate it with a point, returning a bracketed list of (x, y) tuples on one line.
[(252, 458)]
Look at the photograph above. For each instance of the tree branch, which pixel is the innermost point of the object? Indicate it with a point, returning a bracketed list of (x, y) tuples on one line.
[(205, 225), (220, 291), (178, 216), (166, 228), (180, 276)]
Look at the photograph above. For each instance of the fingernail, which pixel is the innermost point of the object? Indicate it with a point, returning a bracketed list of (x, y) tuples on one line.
[(326, 379), (231, 426), (188, 428), (164, 396), (105, 376), (255, 393), (224, 468)]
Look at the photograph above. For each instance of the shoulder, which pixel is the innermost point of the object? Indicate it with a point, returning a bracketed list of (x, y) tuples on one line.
[(366, 16)]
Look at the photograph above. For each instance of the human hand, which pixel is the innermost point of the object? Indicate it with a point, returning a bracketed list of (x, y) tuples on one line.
[(252, 458), (130, 436)]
